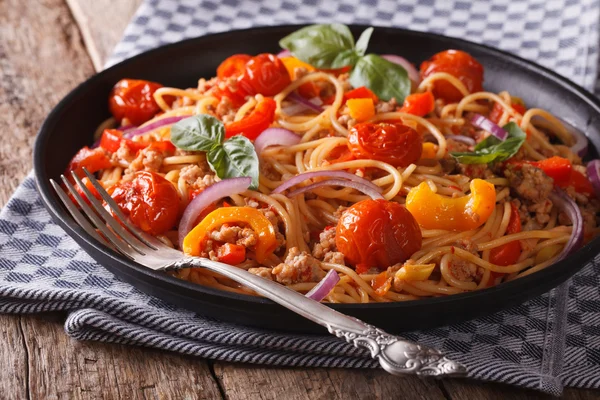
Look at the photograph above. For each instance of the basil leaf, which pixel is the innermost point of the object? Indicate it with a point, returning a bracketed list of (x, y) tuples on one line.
[(322, 46), (198, 133), (363, 41), (493, 149), (235, 158), (383, 77)]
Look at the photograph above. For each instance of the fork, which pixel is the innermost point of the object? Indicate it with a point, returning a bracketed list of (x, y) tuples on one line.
[(397, 356)]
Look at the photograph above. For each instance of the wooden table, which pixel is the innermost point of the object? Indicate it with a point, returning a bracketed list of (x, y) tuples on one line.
[(46, 48)]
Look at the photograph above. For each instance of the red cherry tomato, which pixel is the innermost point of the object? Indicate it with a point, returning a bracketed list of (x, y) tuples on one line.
[(377, 233), (92, 159), (255, 123), (134, 99), (265, 74), (150, 201), (111, 141), (458, 64), (393, 143), (233, 66)]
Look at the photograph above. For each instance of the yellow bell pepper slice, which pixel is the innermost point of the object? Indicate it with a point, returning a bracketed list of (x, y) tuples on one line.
[(434, 211), (291, 63), (429, 151), (361, 109), (415, 272), (267, 242)]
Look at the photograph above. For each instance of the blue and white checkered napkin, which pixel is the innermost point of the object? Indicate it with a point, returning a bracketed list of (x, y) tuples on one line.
[(544, 344)]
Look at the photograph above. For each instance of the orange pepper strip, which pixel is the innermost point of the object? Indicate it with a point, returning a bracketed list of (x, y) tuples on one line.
[(308, 89), (361, 109), (434, 211), (266, 244), (429, 151)]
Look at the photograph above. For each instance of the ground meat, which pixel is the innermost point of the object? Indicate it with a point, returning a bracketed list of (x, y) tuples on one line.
[(465, 271), (455, 145), (300, 72), (466, 244), (529, 182), (196, 177), (386, 106), (346, 121), (234, 234), (268, 171), (263, 272), (225, 110), (205, 85), (298, 267), (338, 213), (148, 159), (449, 164), (334, 257), (272, 217), (480, 171), (123, 153), (326, 243)]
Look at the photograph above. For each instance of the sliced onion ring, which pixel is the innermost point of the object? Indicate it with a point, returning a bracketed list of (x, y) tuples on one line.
[(275, 137), (487, 125), (581, 143), (307, 103), (224, 188), (330, 174), (284, 53), (564, 202), (413, 74), (128, 134), (361, 187), (593, 173), (325, 286), (463, 139)]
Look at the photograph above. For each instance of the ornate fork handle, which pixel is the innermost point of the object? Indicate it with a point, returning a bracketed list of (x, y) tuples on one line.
[(396, 356)]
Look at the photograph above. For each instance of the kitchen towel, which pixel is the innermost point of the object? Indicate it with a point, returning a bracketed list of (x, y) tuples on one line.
[(544, 344)]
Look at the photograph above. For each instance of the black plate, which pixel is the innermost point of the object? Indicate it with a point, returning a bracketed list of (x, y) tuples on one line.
[(72, 123)]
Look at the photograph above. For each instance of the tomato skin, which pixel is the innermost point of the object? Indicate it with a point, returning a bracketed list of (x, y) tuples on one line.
[(377, 233), (150, 201), (92, 159), (393, 143), (254, 123), (458, 64), (233, 66), (134, 99), (265, 74), (362, 92), (111, 141)]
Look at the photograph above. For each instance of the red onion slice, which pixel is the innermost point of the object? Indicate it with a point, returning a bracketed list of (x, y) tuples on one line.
[(325, 286), (487, 125), (284, 53), (224, 188), (275, 137), (160, 123), (563, 201), (361, 187), (463, 139), (307, 103), (413, 74), (581, 143), (593, 173), (329, 174)]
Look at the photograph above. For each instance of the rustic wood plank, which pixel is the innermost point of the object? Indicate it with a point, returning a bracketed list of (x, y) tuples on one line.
[(102, 23), (245, 382), (64, 368), (13, 375), (463, 389)]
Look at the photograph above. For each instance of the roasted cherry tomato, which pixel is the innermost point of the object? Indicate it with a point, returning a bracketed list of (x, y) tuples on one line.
[(458, 64), (92, 159), (134, 99), (254, 123), (233, 66), (377, 233), (264, 74), (393, 143), (150, 201)]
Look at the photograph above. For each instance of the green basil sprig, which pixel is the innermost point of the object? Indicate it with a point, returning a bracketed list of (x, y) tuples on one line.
[(232, 158), (493, 149), (330, 46)]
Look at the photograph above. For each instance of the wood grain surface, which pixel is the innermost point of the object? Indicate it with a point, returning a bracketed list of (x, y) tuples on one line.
[(46, 48)]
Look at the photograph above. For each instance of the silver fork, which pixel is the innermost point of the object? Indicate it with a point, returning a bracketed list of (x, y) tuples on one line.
[(397, 356)]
